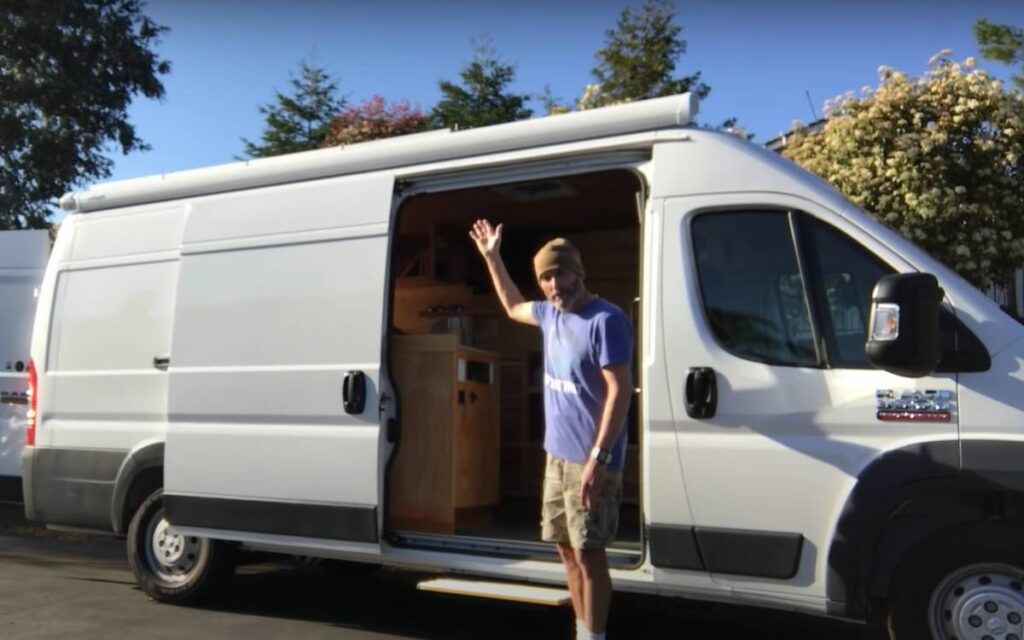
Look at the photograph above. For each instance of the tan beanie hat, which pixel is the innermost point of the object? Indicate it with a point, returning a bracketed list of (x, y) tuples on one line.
[(558, 253)]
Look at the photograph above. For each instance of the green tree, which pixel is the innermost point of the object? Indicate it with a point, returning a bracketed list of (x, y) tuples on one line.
[(1002, 43), (302, 120), (483, 98), (938, 158), (639, 59), (68, 72)]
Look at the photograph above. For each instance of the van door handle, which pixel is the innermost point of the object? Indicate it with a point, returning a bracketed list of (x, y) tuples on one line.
[(161, 363), (353, 393), (701, 393)]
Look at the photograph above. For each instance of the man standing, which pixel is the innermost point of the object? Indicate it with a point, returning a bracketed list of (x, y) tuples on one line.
[(588, 347)]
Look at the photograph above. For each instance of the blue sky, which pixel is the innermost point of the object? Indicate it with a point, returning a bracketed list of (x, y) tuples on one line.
[(760, 58)]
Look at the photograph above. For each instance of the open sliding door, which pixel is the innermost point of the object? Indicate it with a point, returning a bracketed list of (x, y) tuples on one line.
[(274, 374)]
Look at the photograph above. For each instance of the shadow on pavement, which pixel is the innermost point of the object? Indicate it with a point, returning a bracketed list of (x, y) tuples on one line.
[(377, 600)]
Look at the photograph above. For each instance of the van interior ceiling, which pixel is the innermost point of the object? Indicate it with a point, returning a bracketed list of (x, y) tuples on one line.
[(470, 459)]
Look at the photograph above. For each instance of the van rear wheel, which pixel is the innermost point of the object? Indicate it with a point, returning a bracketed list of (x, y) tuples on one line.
[(172, 567)]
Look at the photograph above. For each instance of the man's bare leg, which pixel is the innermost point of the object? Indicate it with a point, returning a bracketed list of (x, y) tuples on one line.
[(597, 587), (574, 576)]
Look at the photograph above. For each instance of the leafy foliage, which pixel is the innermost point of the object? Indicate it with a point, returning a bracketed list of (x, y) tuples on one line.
[(938, 158), (68, 72), (483, 98), (1002, 43), (302, 120), (375, 119), (639, 59)]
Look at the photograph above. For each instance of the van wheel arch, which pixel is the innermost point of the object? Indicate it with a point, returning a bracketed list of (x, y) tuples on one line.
[(904, 498), (143, 485), (889, 482), (141, 473)]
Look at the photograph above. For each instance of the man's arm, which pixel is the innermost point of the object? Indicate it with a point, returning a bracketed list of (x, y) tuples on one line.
[(619, 391), (488, 242), (619, 384)]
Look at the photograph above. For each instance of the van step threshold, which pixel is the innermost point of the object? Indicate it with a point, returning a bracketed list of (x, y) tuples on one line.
[(498, 591)]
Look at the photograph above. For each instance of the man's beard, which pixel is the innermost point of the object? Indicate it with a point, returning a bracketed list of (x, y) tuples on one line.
[(569, 297)]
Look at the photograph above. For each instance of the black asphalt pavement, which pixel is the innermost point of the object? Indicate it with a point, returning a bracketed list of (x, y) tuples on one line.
[(71, 585)]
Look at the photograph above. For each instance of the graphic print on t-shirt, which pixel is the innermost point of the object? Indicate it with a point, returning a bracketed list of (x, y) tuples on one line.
[(576, 348), (564, 348)]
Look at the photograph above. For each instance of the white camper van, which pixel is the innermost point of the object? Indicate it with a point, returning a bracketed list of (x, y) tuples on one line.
[(23, 257), (302, 354)]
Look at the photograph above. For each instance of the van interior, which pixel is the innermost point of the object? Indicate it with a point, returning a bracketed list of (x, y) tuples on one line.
[(469, 464)]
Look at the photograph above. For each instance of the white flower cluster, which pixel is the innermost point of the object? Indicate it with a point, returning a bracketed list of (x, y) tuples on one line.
[(594, 96), (936, 157)]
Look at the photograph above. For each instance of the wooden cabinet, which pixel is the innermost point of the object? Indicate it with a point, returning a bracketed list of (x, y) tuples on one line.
[(446, 473)]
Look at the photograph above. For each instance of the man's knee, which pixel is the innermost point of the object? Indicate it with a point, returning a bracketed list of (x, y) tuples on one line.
[(567, 554), (593, 562)]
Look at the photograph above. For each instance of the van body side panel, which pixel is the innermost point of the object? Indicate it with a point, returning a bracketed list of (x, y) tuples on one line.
[(112, 322), (75, 487), (105, 314), (992, 430), (59, 256), (280, 298), (787, 441), (786, 444), (673, 555)]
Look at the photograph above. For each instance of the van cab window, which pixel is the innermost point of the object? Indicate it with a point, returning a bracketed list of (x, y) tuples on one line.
[(754, 294), (844, 274), (763, 307)]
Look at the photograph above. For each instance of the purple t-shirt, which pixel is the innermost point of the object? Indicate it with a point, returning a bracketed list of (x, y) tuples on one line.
[(576, 347)]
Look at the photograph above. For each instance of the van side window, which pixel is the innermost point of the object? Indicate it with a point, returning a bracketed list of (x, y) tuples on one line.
[(753, 293), (843, 274)]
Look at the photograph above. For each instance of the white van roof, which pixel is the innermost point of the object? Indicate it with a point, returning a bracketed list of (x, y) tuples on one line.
[(432, 146)]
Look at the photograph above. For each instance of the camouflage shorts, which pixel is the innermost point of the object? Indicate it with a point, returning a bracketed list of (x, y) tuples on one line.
[(563, 518)]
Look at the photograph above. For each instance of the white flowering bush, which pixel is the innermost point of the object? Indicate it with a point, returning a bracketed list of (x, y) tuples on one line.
[(937, 158), (594, 96)]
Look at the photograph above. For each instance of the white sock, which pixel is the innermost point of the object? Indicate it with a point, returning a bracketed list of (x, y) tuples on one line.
[(582, 633)]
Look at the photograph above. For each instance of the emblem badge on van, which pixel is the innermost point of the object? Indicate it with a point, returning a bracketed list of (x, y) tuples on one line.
[(914, 405), (13, 397)]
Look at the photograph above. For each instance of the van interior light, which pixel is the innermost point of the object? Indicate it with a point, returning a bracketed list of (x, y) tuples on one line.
[(885, 321)]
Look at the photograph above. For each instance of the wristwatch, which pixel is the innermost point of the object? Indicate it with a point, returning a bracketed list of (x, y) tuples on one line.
[(603, 456)]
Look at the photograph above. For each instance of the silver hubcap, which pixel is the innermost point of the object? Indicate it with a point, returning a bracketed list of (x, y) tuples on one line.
[(979, 602), (172, 556)]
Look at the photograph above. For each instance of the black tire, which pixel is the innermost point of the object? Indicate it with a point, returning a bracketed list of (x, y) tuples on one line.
[(967, 583), (170, 567)]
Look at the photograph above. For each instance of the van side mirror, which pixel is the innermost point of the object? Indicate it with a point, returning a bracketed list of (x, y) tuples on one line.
[(903, 333)]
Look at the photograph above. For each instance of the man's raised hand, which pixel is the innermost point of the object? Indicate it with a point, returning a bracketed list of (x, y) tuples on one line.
[(486, 237)]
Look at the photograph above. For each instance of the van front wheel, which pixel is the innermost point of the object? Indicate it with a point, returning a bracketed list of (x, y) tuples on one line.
[(966, 586), (169, 566)]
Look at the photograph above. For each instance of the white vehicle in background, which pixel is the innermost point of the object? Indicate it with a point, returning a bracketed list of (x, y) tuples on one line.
[(23, 256), (301, 354)]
